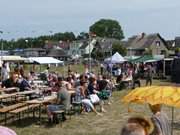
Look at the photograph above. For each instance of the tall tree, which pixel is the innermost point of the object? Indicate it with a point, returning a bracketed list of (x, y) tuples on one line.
[(107, 28)]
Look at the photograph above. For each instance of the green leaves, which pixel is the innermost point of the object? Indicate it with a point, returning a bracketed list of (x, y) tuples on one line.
[(107, 28)]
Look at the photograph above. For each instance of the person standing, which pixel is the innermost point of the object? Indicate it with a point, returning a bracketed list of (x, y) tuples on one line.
[(160, 121), (5, 72), (101, 68), (149, 75)]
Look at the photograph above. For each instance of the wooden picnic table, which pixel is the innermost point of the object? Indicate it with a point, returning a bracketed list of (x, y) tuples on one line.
[(5, 96), (42, 101), (28, 92), (38, 82), (71, 92), (9, 90)]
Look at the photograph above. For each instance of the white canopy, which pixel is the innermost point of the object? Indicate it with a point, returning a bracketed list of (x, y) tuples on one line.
[(12, 58), (116, 58), (44, 60)]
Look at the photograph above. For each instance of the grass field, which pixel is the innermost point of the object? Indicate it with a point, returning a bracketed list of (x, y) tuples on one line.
[(90, 124)]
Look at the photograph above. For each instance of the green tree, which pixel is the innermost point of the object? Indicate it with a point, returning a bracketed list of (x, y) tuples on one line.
[(118, 47), (63, 36), (107, 28)]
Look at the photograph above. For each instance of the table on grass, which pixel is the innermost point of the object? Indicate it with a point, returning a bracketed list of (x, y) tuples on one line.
[(9, 90), (42, 101), (28, 92), (5, 96)]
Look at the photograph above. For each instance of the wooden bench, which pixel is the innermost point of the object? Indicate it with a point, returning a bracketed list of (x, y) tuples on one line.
[(77, 107), (58, 116), (6, 109), (23, 109), (11, 107)]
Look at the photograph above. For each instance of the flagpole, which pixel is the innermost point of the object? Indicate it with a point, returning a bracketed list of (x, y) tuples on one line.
[(90, 53), (1, 32)]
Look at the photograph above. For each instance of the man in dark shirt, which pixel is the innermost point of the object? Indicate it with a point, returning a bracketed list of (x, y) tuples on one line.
[(11, 82)]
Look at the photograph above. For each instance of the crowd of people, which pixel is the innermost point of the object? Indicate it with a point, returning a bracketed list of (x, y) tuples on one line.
[(91, 89), (131, 74)]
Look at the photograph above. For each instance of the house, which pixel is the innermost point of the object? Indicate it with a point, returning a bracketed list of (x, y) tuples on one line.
[(58, 54), (170, 44), (105, 45), (31, 52), (177, 42), (74, 48), (140, 44), (64, 45), (81, 47), (87, 47)]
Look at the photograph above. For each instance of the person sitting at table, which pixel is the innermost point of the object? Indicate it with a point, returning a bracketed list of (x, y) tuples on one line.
[(10, 82), (93, 91), (4, 72), (81, 96), (104, 88), (24, 84), (62, 103), (70, 83)]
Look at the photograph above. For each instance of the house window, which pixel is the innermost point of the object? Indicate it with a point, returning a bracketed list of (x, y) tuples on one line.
[(158, 43)]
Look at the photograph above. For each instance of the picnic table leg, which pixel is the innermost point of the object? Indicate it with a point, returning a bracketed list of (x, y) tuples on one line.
[(40, 113), (5, 118)]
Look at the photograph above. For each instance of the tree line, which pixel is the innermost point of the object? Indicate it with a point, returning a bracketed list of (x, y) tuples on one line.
[(106, 28)]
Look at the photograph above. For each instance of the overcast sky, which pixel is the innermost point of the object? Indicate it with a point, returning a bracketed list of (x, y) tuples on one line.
[(22, 18)]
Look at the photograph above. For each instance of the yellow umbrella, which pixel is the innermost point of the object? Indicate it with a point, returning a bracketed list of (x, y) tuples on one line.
[(167, 95)]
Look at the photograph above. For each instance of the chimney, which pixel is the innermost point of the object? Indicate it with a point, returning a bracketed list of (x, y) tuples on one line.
[(142, 35)]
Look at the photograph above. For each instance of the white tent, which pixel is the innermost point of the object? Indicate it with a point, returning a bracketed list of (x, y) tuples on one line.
[(12, 58), (116, 58), (44, 60)]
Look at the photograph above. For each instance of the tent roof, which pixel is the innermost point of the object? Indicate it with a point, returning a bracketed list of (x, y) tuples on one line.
[(44, 60), (12, 58), (116, 58), (147, 58)]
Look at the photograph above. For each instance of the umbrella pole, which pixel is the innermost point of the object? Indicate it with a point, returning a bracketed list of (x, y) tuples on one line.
[(172, 120)]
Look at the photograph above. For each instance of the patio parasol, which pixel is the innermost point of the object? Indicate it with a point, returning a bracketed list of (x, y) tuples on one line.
[(167, 95)]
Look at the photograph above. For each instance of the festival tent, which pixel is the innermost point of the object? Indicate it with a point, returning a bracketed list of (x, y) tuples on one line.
[(147, 58), (116, 58), (43, 60), (11, 58)]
